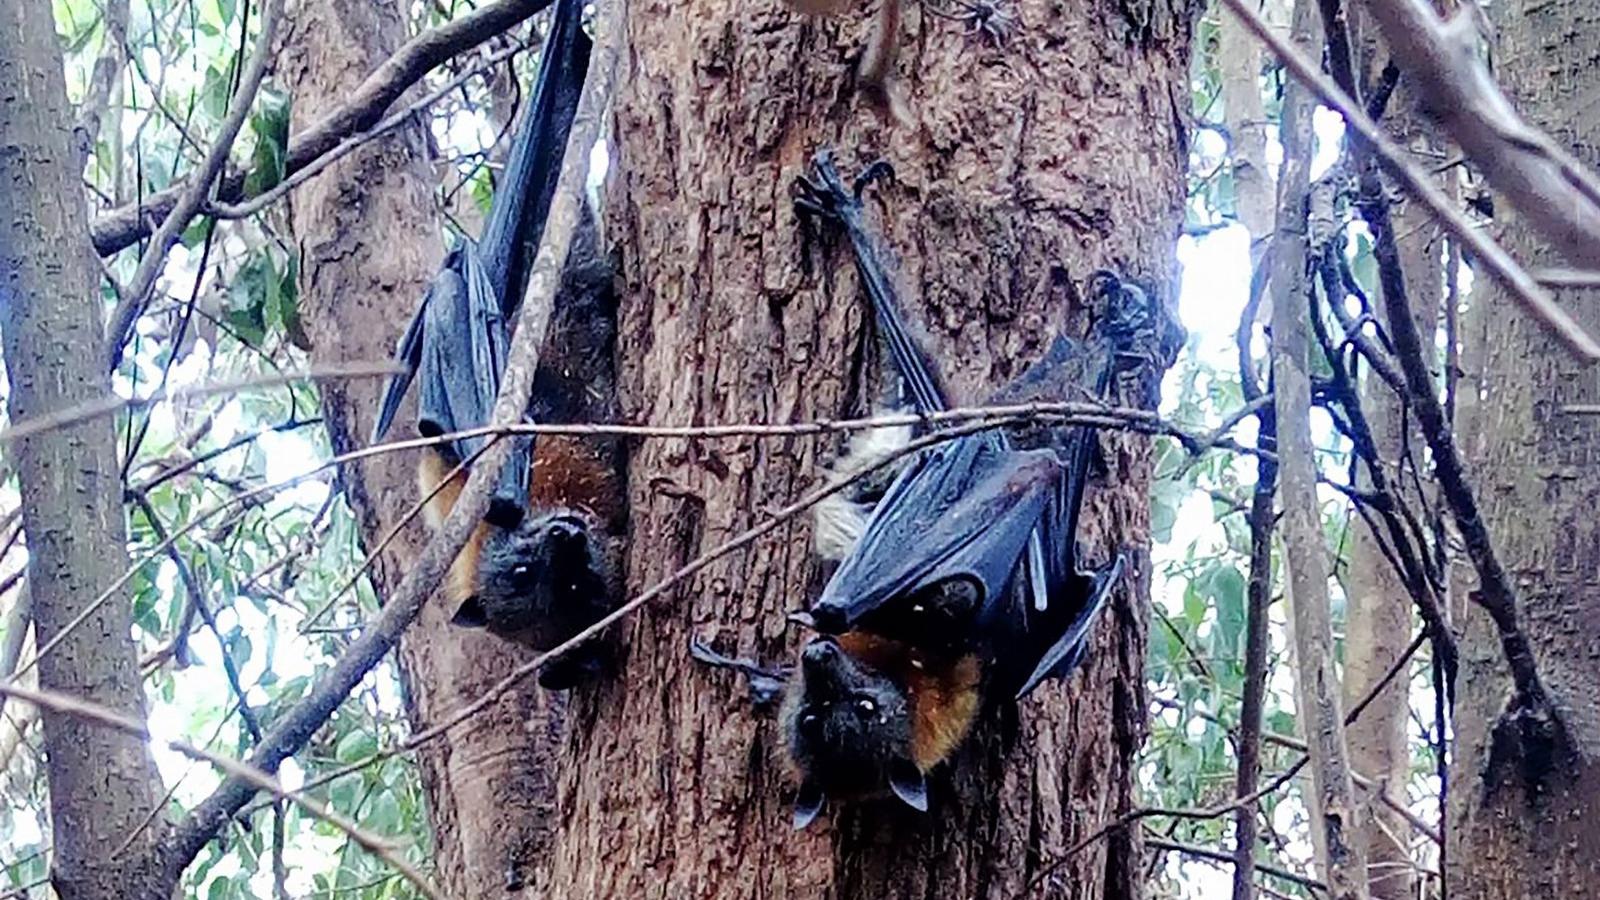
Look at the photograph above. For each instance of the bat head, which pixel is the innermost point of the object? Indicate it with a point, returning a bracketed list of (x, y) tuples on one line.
[(535, 582), (848, 728)]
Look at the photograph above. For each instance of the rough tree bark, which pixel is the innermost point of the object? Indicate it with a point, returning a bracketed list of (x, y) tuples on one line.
[(103, 784), (1521, 827), (369, 239), (1032, 165)]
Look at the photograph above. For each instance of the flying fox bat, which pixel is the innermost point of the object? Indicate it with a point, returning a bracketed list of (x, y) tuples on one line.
[(543, 565), (965, 586), (974, 542)]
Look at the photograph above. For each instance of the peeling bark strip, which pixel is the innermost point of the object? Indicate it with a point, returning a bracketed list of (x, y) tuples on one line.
[(103, 784), (1007, 196)]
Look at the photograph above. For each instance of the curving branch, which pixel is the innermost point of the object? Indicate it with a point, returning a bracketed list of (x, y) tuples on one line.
[(121, 227), (1495, 260), (1555, 192)]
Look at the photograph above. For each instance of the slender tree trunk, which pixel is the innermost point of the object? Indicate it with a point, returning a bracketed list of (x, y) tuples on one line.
[(1032, 165), (1527, 827), (369, 240), (1335, 817), (103, 784), (1378, 619)]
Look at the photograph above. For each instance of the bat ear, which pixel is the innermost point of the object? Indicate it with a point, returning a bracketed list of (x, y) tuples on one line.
[(471, 614), (808, 804), (909, 784)]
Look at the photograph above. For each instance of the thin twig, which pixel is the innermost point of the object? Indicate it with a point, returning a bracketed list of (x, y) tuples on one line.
[(111, 404), (1258, 601), (1496, 261), (732, 545), (1108, 417), (1207, 853)]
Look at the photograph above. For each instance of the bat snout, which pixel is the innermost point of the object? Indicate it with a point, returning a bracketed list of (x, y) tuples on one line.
[(820, 652)]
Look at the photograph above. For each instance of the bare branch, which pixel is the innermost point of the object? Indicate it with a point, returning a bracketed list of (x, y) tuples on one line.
[(356, 141), (1258, 601), (120, 228), (1557, 195), (134, 297), (1336, 817), (112, 404), (1495, 260)]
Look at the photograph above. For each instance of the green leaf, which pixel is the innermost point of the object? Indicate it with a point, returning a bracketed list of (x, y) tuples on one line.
[(270, 124)]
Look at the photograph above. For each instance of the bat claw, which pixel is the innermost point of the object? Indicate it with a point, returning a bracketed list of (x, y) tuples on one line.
[(880, 169), (824, 195)]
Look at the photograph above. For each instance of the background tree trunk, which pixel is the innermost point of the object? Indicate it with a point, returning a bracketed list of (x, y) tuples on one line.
[(1378, 619), (1539, 473), (1007, 196), (369, 241), (103, 784)]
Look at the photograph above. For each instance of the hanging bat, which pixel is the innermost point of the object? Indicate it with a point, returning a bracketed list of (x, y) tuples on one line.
[(964, 587), (542, 565)]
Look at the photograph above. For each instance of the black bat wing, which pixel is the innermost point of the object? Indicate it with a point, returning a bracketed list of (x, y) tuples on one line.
[(1054, 635), (456, 343), (464, 344), (522, 200), (964, 510)]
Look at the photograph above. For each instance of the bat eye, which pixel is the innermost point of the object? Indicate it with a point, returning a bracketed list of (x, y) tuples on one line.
[(867, 706), (521, 570)]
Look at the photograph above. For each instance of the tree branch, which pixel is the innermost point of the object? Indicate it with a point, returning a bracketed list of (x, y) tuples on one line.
[(356, 141), (121, 227), (1258, 600), (188, 203), (1495, 260), (1336, 817), (1556, 193)]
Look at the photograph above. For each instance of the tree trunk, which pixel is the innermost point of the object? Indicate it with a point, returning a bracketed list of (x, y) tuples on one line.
[(369, 241), (103, 784), (1378, 619), (1032, 165), (1527, 828)]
